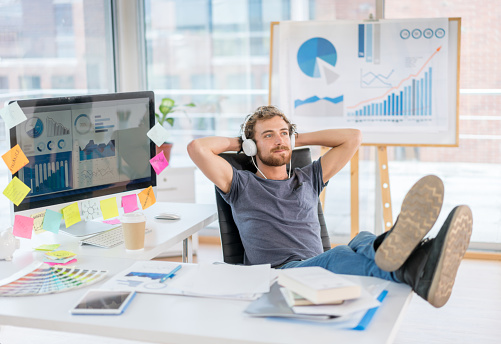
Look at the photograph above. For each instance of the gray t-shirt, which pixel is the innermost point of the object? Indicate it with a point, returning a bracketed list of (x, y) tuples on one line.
[(277, 219)]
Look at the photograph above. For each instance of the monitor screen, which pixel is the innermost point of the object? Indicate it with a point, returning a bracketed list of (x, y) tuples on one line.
[(85, 146)]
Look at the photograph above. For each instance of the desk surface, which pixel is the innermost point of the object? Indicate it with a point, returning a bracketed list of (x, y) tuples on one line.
[(164, 234), (182, 319)]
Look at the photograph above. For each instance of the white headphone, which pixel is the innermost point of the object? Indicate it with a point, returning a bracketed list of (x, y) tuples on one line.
[(249, 146), (250, 149)]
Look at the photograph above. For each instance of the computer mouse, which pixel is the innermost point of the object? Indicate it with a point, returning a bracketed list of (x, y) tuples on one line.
[(167, 216)]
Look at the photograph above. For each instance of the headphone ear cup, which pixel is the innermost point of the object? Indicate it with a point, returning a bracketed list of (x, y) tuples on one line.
[(293, 141), (249, 147)]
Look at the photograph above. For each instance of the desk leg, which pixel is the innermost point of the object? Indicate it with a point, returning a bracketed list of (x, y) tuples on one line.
[(188, 250)]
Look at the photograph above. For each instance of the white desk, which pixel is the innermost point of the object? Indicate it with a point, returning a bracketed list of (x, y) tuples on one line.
[(164, 234), (182, 319)]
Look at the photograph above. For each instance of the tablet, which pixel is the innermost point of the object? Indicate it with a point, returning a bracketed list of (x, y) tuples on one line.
[(106, 302)]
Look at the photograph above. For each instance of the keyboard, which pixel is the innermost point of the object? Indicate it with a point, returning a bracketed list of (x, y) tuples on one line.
[(107, 239)]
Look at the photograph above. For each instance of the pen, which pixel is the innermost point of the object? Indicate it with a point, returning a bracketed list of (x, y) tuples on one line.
[(171, 274)]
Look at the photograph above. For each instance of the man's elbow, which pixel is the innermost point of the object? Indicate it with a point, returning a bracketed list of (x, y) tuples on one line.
[(194, 149), (356, 137)]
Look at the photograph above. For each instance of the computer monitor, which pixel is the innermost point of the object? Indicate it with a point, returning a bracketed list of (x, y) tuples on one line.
[(84, 147)]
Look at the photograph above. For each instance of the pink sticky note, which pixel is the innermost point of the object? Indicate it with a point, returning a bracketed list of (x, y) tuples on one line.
[(56, 263), (112, 222), (159, 162), (129, 203), (23, 226)]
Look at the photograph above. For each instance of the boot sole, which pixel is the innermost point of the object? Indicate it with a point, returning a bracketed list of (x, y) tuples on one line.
[(455, 246), (420, 210)]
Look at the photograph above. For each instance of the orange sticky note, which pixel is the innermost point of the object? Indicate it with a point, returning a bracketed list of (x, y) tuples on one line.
[(15, 159), (147, 198)]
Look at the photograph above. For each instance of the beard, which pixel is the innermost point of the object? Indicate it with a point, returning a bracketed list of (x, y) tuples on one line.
[(276, 160)]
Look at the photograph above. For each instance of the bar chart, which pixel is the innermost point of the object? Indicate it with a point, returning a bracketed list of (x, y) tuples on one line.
[(48, 173), (412, 98)]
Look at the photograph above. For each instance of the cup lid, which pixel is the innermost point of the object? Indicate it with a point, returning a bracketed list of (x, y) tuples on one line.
[(133, 217)]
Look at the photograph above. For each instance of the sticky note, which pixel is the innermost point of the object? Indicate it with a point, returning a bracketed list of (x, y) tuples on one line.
[(12, 115), (109, 208), (60, 263), (71, 214), (16, 191), (52, 221), (90, 209), (23, 226), (112, 222), (159, 162), (15, 159), (129, 203), (60, 254), (147, 198), (158, 134), (37, 224), (46, 247)]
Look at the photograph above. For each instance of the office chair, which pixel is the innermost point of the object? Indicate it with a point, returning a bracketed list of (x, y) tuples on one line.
[(233, 250)]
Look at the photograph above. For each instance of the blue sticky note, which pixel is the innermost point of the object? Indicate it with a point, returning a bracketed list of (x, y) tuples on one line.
[(52, 221)]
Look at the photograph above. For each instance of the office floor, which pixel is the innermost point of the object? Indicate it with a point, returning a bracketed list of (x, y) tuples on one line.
[(471, 315)]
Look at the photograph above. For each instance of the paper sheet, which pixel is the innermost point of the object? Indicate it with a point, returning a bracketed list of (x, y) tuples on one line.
[(158, 134), (38, 223), (23, 226), (15, 159), (147, 198), (71, 214), (12, 115), (109, 208), (159, 162), (129, 203), (16, 191), (204, 280), (52, 221), (91, 209)]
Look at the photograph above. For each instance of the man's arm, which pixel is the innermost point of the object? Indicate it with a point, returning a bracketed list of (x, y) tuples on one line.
[(204, 153), (344, 143)]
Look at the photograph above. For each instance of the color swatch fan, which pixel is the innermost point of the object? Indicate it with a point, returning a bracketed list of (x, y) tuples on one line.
[(39, 278)]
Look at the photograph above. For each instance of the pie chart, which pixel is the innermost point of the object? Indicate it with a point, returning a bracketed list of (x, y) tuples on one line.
[(313, 49), (34, 127)]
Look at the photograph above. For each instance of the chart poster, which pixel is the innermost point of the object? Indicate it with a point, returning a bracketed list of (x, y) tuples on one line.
[(388, 76)]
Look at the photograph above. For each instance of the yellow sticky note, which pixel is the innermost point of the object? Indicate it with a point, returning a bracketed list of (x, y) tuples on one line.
[(37, 224), (15, 159), (16, 191), (47, 247), (109, 208), (71, 214), (60, 254), (147, 198)]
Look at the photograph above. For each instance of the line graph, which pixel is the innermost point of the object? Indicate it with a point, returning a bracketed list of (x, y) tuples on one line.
[(373, 80), (97, 172)]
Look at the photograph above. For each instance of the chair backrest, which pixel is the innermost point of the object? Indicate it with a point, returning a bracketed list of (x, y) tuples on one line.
[(233, 250)]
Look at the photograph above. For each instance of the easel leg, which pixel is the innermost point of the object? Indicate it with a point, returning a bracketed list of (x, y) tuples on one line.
[(385, 186), (354, 195)]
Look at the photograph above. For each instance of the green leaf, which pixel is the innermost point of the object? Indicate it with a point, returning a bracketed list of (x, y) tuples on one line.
[(170, 120)]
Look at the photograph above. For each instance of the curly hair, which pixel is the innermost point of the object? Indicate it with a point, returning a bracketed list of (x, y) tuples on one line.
[(264, 113)]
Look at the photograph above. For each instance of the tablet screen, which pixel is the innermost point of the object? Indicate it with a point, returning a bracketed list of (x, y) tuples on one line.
[(103, 302)]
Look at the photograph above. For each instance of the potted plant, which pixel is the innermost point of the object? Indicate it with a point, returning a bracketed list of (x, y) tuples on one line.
[(166, 107)]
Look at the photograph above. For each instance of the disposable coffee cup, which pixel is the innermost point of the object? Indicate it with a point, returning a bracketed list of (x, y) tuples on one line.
[(134, 227)]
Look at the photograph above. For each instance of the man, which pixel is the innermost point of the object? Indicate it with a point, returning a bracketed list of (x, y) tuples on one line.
[(276, 210)]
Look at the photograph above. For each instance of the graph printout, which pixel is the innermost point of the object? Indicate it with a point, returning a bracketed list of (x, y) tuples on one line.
[(389, 75)]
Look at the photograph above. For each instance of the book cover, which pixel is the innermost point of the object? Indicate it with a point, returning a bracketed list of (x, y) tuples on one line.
[(318, 285), (294, 299)]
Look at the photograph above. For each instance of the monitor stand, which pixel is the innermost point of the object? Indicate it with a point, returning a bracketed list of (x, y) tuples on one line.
[(86, 228)]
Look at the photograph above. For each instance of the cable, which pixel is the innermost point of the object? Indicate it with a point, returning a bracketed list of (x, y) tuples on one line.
[(252, 158)]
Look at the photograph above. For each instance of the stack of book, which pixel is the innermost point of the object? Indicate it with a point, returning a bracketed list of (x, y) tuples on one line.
[(316, 286), (314, 293)]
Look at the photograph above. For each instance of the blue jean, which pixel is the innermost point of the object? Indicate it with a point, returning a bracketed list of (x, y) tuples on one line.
[(356, 258)]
